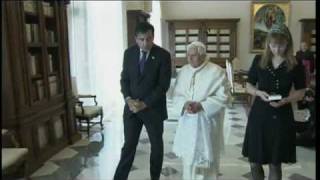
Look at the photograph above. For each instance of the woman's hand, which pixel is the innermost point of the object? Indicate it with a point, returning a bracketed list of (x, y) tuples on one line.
[(279, 103), (263, 95)]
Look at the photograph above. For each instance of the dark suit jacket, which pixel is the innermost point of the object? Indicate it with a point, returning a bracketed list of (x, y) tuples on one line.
[(307, 55), (150, 86)]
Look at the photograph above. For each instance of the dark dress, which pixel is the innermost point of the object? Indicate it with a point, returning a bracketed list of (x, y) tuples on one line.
[(270, 132)]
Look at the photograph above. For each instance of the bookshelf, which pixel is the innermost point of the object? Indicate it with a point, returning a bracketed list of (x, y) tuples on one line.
[(219, 36), (37, 80)]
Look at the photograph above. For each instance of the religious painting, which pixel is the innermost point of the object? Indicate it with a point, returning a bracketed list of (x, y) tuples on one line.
[(263, 15)]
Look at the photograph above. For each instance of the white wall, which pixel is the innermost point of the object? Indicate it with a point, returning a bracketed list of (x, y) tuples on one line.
[(124, 23), (300, 10), (155, 20), (233, 9), (139, 5)]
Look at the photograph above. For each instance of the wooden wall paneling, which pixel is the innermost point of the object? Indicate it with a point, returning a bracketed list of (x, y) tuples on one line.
[(15, 55), (8, 102)]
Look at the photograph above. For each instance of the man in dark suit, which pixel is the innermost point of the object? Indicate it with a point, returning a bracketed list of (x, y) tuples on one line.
[(145, 79), (305, 54)]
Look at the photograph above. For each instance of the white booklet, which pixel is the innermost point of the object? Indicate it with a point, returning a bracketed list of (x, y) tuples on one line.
[(274, 97)]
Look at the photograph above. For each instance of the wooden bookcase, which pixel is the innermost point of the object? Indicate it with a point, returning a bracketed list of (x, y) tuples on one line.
[(308, 33), (39, 105), (219, 36)]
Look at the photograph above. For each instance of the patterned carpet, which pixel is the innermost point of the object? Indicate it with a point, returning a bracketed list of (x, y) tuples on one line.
[(97, 157)]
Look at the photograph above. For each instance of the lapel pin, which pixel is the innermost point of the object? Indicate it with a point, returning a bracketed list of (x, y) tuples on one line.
[(152, 57)]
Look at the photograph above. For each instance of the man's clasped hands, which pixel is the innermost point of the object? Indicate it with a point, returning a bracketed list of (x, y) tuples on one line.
[(135, 105)]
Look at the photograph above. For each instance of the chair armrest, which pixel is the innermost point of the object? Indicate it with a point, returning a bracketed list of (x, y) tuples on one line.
[(8, 139), (4, 131), (80, 103), (88, 96)]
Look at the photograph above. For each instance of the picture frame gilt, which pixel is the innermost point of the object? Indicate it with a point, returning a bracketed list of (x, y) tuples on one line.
[(263, 15)]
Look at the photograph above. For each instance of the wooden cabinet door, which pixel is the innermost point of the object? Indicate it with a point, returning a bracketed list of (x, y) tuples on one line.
[(219, 36), (181, 34), (221, 40)]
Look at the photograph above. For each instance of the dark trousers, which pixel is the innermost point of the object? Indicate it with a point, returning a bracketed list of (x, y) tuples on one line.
[(132, 130)]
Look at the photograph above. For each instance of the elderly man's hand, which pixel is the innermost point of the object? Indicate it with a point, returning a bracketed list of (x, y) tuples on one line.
[(196, 107), (187, 106), (192, 107)]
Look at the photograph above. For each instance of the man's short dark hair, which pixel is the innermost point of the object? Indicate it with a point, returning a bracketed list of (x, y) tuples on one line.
[(143, 28)]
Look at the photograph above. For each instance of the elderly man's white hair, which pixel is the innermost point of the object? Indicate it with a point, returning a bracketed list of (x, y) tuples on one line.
[(199, 46)]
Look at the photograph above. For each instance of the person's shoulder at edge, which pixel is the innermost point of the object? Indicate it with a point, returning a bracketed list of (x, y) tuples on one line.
[(132, 48), (161, 49), (298, 67), (257, 57), (185, 67), (214, 66)]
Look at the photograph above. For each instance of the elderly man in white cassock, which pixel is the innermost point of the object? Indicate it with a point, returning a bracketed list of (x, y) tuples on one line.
[(200, 96)]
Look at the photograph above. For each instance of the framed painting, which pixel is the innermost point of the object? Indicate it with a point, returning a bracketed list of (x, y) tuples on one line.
[(263, 15)]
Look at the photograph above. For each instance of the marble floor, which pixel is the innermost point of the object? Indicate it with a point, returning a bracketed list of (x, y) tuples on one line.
[(96, 157)]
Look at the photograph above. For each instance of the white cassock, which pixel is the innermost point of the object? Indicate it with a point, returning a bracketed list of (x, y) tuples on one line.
[(199, 137)]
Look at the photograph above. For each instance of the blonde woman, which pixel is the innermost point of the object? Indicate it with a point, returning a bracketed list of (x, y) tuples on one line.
[(270, 133)]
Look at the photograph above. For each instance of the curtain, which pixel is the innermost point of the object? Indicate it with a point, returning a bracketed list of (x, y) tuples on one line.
[(96, 41), (155, 20)]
